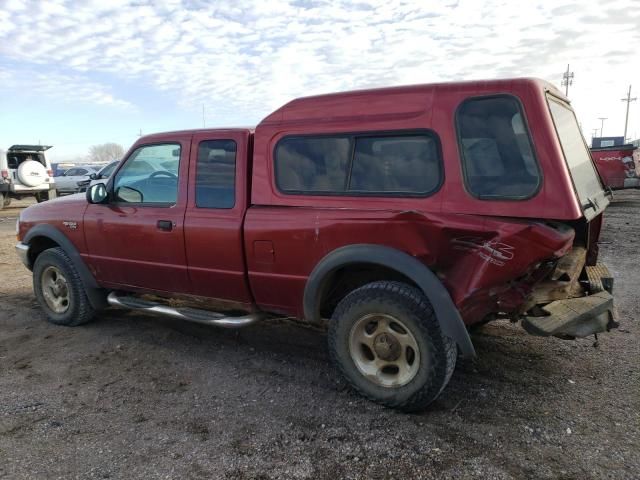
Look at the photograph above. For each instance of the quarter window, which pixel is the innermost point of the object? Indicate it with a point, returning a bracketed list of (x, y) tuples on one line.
[(398, 164), (216, 174), (149, 176), (380, 164), (313, 164), (497, 157)]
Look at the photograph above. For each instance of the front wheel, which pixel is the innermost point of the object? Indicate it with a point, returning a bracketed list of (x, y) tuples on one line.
[(386, 340), (59, 289)]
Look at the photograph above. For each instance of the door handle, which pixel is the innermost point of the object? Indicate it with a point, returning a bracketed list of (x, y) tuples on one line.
[(166, 225)]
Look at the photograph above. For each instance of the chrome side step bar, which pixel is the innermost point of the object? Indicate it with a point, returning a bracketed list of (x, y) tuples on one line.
[(184, 313)]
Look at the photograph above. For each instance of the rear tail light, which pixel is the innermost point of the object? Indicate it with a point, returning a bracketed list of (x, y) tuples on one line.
[(50, 173), (5, 173)]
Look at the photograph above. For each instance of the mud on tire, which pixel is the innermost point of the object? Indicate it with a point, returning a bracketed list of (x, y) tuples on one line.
[(386, 340), (59, 289)]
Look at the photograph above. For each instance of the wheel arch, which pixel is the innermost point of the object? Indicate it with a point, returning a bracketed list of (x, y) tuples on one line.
[(404, 268), (42, 237)]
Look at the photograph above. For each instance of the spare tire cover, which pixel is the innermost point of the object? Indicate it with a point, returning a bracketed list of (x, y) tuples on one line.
[(32, 173)]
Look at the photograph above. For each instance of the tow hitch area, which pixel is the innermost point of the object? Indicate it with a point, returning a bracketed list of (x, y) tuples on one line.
[(574, 317)]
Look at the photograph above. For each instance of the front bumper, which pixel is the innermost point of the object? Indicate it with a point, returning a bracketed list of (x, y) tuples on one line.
[(578, 317), (23, 253)]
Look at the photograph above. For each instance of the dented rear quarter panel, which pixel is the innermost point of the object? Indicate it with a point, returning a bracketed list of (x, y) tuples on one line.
[(477, 258)]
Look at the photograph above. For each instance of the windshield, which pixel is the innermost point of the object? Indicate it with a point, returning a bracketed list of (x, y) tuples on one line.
[(585, 179), (108, 170)]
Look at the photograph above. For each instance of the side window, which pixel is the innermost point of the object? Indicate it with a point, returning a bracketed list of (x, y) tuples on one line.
[(216, 174), (497, 156), (149, 176), (408, 164), (386, 164), (71, 172), (312, 164), (81, 171)]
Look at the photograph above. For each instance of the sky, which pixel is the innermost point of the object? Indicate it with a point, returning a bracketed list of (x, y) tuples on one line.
[(80, 73)]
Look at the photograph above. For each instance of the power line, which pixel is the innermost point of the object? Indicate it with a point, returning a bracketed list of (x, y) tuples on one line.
[(567, 79), (626, 118), (602, 119)]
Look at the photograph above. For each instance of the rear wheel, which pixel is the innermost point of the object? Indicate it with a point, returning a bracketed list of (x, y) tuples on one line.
[(386, 340), (59, 289)]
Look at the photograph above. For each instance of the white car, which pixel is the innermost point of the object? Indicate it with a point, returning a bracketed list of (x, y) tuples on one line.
[(68, 181), (100, 177), (25, 171)]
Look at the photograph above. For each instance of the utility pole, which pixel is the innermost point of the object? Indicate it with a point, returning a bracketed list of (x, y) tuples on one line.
[(567, 79), (602, 119), (140, 133), (594, 133), (203, 115), (626, 118)]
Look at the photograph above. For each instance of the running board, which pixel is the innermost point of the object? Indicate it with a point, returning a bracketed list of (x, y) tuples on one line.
[(184, 313)]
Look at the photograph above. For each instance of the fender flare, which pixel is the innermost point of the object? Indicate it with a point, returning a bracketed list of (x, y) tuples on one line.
[(96, 295), (447, 313)]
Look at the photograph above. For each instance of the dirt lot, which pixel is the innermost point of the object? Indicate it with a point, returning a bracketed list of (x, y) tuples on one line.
[(134, 396)]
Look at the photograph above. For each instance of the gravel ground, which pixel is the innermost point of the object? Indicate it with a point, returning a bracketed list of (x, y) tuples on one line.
[(134, 396)]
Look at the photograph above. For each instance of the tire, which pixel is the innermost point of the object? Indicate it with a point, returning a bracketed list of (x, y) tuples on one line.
[(64, 301), (32, 173), (42, 197), (3, 199), (359, 341)]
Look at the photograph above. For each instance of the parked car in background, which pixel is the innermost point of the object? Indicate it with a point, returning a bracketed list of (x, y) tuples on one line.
[(25, 171), (618, 166), (60, 167), (68, 182), (101, 176), (140, 171)]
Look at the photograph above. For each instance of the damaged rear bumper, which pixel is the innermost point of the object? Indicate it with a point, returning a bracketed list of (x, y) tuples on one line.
[(578, 317), (574, 317)]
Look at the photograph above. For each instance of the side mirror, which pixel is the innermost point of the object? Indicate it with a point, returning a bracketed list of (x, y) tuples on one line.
[(97, 193), (94, 176), (128, 194)]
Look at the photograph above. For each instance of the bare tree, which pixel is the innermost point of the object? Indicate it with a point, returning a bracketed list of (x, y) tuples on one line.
[(106, 152)]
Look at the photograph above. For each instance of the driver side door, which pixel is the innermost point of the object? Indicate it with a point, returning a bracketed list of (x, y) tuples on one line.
[(136, 241)]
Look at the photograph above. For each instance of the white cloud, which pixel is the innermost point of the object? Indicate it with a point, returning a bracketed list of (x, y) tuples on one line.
[(37, 85), (242, 59)]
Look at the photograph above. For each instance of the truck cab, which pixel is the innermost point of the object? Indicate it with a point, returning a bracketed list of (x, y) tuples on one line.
[(395, 217)]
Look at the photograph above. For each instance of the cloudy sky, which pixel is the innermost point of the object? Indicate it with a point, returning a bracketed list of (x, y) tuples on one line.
[(78, 73)]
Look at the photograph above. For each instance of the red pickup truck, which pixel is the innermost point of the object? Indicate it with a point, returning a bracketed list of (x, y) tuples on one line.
[(398, 217)]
